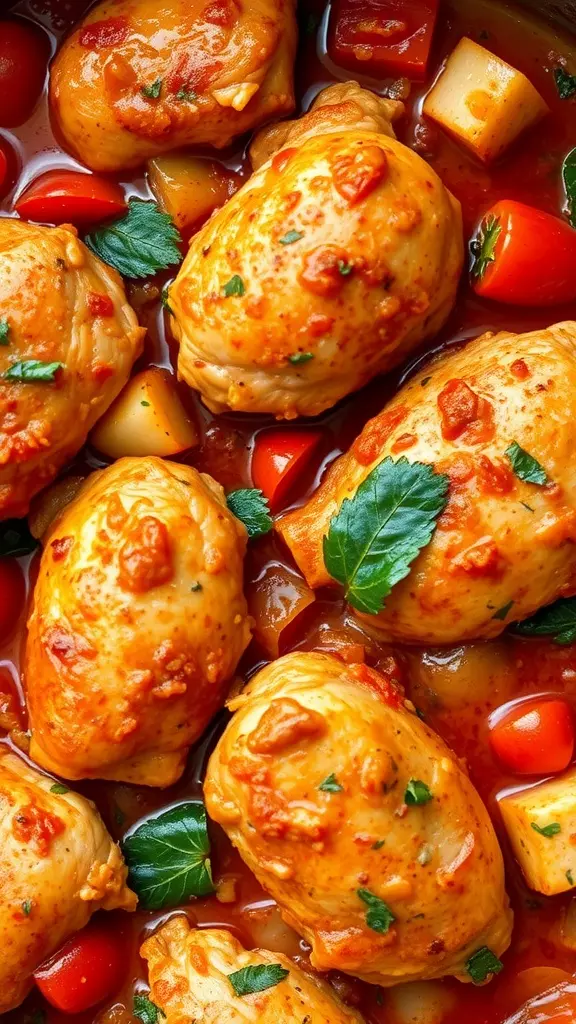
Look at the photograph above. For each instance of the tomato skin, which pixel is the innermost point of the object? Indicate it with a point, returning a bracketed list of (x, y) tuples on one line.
[(24, 54), (59, 197), (535, 738), (534, 258), (382, 37), (12, 595), (87, 969), (279, 455)]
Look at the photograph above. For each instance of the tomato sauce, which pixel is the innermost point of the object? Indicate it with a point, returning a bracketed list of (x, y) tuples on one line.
[(456, 690)]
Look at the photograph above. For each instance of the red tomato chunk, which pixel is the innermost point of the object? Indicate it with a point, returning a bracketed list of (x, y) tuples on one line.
[(382, 37)]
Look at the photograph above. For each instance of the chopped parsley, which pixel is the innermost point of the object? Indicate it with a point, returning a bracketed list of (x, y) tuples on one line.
[(257, 979), (503, 611), (144, 402), (525, 466), (565, 83), (483, 246), (186, 95), (27, 907), (250, 506), (300, 357), (331, 785), (146, 1010), (378, 844), (569, 180), (417, 793), (59, 788), (379, 917), (483, 963), (33, 370), (235, 286), (152, 92), (345, 268), (196, 587), (570, 877), (4, 332), (290, 237), (548, 831)]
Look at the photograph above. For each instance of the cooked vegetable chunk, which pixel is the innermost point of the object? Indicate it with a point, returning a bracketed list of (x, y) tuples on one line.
[(359, 233), (497, 418), (136, 79), (360, 823), (190, 188), (137, 625), (382, 37), (483, 101), (208, 977), (57, 866), (68, 339), (541, 825)]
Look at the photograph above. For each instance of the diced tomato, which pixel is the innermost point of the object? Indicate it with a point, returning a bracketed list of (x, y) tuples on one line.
[(87, 969), (524, 257), (535, 738), (382, 37), (12, 595), (279, 456), (58, 197), (24, 54)]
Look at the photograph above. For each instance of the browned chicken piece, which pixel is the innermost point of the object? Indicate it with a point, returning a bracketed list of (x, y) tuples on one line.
[(69, 339), (137, 78), (504, 546), (360, 823), (58, 865), (137, 624), (190, 972), (339, 256)]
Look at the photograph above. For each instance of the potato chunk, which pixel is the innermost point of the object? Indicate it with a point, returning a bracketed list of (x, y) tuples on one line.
[(190, 188), (541, 825), (483, 101)]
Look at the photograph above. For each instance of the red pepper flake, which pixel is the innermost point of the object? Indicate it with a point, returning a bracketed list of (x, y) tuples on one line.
[(101, 34), (281, 160), (100, 305), (357, 173)]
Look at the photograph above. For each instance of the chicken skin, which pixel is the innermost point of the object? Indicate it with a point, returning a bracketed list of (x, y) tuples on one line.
[(65, 317), (189, 980), (360, 823), (57, 867), (137, 77), (339, 256), (137, 624), (504, 546)]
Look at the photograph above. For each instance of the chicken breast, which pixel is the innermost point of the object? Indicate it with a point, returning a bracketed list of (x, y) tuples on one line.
[(359, 822), (339, 256), (68, 342), (57, 866), (137, 624), (189, 980), (504, 546), (137, 77)]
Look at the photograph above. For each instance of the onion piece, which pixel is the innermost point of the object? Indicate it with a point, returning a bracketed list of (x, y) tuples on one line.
[(190, 188), (275, 600)]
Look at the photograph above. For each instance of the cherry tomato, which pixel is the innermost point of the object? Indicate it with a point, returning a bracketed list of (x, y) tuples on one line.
[(535, 737), (382, 37), (24, 54), (87, 969), (524, 257), (279, 456), (12, 595), (61, 196)]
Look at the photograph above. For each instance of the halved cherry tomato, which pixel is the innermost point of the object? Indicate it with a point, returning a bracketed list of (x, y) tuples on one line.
[(535, 738), (12, 595), (24, 54), (382, 37), (279, 455), (524, 257), (61, 196), (88, 968)]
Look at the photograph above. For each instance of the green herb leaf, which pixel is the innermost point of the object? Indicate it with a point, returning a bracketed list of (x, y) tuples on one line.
[(482, 963), (290, 237), (483, 246), (425, 381), (33, 370), (502, 612), (257, 979), (417, 793), (345, 268), (378, 533), (565, 83), (557, 620), (168, 858), (196, 587), (59, 788), (570, 877), (235, 286), (331, 785), (250, 506), (166, 300), (152, 92), (4, 332), (548, 831), (379, 917), (146, 1010), (300, 357), (525, 466), (15, 538), (144, 402), (187, 95), (569, 180), (140, 243), (27, 907), (378, 844)]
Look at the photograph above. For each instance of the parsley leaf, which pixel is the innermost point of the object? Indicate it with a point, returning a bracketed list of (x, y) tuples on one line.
[(4, 332), (548, 831), (27, 908), (557, 620), (290, 237), (569, 179), (379, 917), (168, 857), (257, 979), (235, 286), (482, 963), (345, 269), (570, 877), (140, 243), (300, 357), (331, 785), (146, 1010), (250, 506), (15, 538), (483, 246), (502, 612), (33, 370), (565, 83), (59, 788), (378, 533), (417, 793), (525, 466), (152, 92), (187, 95)]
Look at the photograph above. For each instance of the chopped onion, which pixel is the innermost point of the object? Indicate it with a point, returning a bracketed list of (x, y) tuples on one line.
[(275, 600)]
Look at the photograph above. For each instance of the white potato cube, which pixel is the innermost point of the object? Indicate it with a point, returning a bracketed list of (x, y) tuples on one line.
[(541, 825), (483, 101)]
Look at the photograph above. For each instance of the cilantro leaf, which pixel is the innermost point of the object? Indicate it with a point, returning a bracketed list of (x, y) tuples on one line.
[(15, 538), (525, 466), (482, 963), (4, 332), (250, 506), (146, 1010), (569, 180), (548, 831), (377, 534), (235, 286), (257, 978), (59, 788), (33, 370), (331, 785), (417, 793), (483, 246), (557, 620), (565, 83), (140, 243), (152, 91), (168, 857), (290, 237), (379, 917), (300, 357)]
